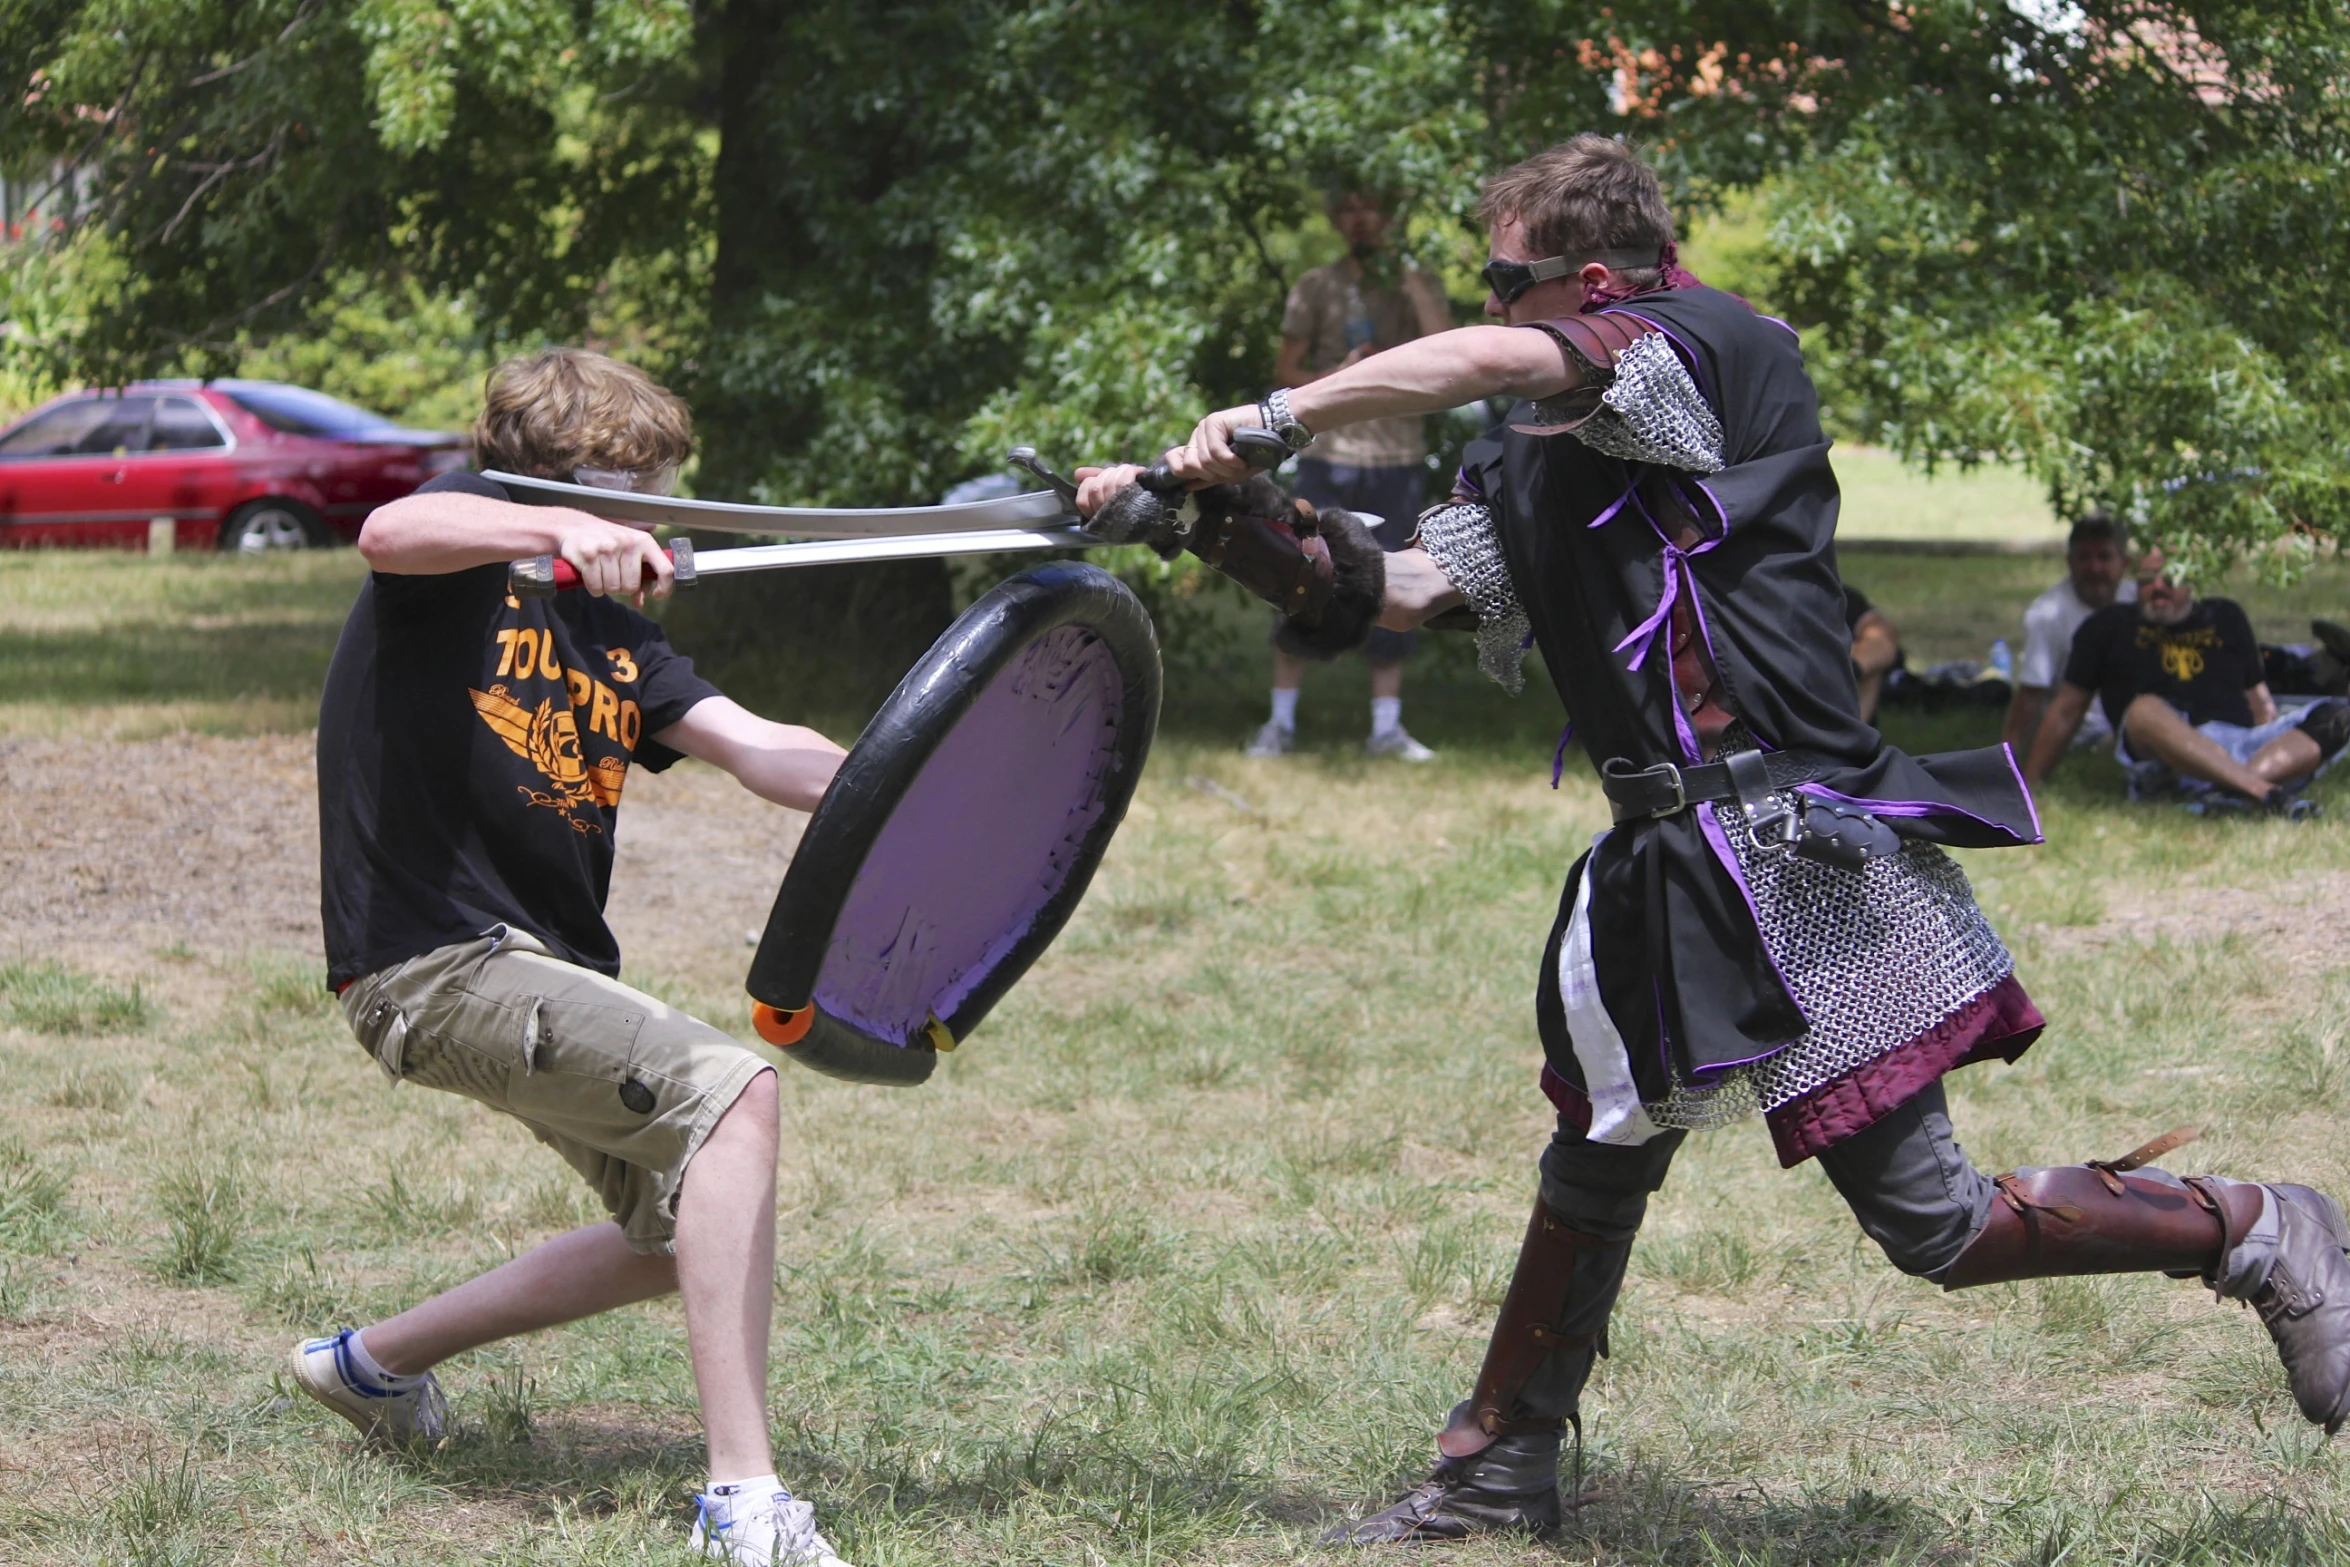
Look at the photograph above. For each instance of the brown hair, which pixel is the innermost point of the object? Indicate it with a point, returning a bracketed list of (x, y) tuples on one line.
[(1590, 193), (545, 414)]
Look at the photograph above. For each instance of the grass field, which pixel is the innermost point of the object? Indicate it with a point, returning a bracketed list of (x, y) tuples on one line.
[(1185, 1253)]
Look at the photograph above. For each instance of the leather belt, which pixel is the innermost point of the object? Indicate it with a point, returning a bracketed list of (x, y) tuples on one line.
[(1750, 777)]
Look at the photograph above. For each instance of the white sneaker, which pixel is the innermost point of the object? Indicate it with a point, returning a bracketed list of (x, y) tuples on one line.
[(775, 1530), (1399, 745), (1272, 740), (324, 1370)]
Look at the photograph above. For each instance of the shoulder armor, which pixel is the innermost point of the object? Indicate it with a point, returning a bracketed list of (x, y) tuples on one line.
[(1599, 338)]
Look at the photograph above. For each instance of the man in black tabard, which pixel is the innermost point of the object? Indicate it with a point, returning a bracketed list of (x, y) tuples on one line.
[(2180, 679), (1772, 924)]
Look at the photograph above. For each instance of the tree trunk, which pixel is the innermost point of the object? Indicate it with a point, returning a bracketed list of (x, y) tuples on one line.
[(825, 643)]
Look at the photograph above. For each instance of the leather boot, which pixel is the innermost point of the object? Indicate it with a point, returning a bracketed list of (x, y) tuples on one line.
[(2305, 1302), (2278, 1247), (1497, 1464), (1510, 1483)]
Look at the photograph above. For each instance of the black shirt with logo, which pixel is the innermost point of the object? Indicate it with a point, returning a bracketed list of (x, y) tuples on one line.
[(472, 748), (2204, 666)]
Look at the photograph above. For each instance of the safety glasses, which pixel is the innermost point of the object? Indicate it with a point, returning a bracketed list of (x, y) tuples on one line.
[(636, 481), (1509, 280)]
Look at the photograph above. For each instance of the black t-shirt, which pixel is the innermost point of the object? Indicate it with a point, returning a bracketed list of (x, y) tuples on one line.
[(2203, 666), (472, 747)]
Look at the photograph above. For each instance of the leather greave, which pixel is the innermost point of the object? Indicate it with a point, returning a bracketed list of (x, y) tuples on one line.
[(2105, 1217), (1553, 1324)]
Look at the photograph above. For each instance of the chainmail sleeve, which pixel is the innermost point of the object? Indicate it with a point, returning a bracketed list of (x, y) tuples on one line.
[(1460, 538), (1647, 410)]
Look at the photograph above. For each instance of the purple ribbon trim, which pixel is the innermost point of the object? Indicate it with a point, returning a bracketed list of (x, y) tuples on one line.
[(1558, 758)]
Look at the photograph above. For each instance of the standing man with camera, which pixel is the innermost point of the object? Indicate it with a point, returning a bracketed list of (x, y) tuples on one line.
[(1338, 315)]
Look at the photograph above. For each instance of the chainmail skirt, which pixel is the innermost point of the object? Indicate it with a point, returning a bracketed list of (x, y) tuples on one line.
[(1874, 959)]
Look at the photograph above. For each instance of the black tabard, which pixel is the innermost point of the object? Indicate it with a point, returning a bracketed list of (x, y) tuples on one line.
[(1681, 966)]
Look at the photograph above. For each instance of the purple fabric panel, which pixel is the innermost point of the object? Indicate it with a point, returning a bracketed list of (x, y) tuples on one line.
[(981, 841), (2001, 1024), (1913, 807)]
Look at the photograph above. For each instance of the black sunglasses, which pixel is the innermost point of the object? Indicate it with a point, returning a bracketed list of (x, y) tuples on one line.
[(1509, 280)]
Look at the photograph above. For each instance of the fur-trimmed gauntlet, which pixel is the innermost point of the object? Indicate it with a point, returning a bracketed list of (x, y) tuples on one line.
[(1322, 570)]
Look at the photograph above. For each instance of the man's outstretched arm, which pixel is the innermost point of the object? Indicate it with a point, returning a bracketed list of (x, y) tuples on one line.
[(2057, 727), (785, 763), (2024, 710), (1424, 376)]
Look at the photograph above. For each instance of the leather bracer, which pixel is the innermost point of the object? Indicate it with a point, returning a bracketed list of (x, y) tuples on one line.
[(1322, 570), (1280, 558)]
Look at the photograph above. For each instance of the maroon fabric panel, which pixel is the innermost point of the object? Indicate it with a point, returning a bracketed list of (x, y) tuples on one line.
[(2001, 1023), (1572, 1107)]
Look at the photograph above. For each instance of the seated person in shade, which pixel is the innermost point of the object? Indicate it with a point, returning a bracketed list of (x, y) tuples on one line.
[(2095, 575), (2180, 680), (1876, 648)]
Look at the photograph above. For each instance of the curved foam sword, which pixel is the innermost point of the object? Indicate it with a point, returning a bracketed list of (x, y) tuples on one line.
[(1035, 509), (836, 535)]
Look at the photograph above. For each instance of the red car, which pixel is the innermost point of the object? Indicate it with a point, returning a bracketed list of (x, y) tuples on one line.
[(249, 466)]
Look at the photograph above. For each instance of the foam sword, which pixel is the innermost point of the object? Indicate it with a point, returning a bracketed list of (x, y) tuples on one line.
[(1044, 519)]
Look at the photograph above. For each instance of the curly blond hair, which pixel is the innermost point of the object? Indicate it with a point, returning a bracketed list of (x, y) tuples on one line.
[(545, 414)]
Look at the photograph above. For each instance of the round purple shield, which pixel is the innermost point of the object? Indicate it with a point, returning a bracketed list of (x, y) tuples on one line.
[(962, 828)]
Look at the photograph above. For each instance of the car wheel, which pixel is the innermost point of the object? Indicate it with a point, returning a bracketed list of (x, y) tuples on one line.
[(265, 527)]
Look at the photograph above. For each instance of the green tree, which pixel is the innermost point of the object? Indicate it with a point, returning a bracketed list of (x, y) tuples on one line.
[(878, 242)]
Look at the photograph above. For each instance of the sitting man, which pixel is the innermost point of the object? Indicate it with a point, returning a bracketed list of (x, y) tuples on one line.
[(2095, 576), (1876, 648), (2180, 680), (472, 748)]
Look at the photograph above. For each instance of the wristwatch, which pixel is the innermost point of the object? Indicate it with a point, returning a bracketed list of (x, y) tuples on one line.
[(1274, 411)]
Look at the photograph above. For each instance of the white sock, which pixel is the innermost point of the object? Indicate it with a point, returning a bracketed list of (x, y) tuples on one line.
[(1386, 715), (739, 1493), (367, 1366), (1285, 707)]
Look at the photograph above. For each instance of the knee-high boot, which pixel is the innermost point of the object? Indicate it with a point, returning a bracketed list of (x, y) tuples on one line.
[(2278, 1247), (1497, 1464)]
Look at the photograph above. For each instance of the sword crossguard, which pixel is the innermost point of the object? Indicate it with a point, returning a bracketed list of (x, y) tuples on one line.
[(1025, 457)]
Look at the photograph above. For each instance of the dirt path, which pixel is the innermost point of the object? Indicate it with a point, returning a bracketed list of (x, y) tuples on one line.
[(110, 851)]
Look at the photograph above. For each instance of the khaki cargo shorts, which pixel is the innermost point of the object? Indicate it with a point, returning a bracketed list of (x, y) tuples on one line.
[(622, 1086)]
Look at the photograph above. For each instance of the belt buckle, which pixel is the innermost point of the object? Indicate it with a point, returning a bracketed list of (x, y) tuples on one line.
[(1680, 789)]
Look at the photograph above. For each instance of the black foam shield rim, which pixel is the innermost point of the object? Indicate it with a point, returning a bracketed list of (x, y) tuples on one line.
[(890, 755), (845, 1051)]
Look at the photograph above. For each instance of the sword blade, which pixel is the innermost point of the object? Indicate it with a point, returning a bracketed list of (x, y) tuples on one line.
[(1035, 509), (919, 546)]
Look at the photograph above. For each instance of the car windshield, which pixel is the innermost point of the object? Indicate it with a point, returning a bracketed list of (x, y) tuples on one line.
[(300, 411)]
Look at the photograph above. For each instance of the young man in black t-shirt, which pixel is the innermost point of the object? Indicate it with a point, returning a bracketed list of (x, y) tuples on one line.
[(2180, 680), (472, 751)]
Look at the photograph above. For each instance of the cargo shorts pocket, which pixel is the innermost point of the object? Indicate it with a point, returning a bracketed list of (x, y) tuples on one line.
[(381, 1027), (577, 1073)]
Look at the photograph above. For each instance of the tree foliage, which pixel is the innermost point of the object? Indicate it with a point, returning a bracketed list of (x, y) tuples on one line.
[(880, 241)]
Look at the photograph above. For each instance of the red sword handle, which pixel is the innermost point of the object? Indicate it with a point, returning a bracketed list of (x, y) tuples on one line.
[(543, 576)]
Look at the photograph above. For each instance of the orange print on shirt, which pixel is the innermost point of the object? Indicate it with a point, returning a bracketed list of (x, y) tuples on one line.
[(547, 737)]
